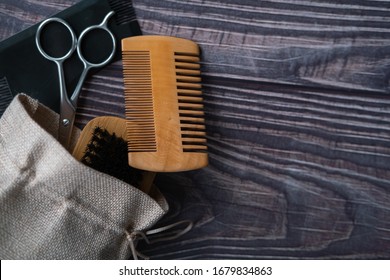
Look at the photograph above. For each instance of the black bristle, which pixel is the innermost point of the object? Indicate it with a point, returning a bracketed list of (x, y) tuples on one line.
[(107, 153)]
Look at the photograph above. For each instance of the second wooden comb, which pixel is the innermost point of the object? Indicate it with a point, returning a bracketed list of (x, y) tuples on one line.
[(164, 105)]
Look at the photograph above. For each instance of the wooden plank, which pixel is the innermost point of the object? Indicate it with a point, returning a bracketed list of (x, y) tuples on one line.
[(16, 16), (293, 173), (298, 129), (327, 44)]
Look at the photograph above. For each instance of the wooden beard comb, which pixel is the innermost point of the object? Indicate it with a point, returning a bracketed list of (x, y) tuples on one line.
[(164, 105)]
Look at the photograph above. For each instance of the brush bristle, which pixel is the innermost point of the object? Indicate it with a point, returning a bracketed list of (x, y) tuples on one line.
[(107, 153)]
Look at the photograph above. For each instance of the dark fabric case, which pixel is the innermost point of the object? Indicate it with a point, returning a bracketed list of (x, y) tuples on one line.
[(27, 71)]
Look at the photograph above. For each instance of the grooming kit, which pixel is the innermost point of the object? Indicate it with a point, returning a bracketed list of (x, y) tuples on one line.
[(164, 126)]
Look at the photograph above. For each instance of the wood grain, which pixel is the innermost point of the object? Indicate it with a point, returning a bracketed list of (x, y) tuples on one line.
[(156, 91), (297, 110), (327, 44)]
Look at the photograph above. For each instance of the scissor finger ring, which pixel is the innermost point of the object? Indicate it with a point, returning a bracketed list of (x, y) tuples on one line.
[(39, 45)]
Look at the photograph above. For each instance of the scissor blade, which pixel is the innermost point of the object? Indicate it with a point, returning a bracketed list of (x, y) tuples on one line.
[(66, 121)]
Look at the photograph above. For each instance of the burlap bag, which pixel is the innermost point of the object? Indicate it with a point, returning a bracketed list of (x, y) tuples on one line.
[(54, 207)]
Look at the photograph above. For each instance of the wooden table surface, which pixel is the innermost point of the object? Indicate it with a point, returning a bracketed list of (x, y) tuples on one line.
[(297, 101)]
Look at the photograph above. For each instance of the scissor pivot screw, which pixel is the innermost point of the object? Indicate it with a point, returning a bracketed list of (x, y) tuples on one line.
[(65, 122)]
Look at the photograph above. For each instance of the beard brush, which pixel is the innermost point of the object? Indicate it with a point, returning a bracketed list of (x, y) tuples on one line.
[(164, 105), (102, 146)]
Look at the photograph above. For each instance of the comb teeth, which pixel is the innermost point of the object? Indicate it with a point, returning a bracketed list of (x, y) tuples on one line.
[(5, 95), (124, 11), (138, 94), (164, 105), (189, 91)]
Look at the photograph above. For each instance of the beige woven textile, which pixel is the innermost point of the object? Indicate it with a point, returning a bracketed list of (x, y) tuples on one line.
[(54, 207)]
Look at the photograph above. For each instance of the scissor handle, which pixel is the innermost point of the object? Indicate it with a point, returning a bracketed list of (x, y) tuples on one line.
[(87, 64), (104, 27), (38, 40), (67, 110), (68, 106)]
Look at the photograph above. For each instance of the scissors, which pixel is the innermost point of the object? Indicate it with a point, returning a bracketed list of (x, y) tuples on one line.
[(68, 105)]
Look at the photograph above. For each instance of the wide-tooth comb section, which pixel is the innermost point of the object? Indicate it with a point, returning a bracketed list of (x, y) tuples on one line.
[(139, 101), (164, 104), (189, 91)]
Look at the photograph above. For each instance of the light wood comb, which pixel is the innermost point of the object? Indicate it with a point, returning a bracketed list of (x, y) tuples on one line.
[(164, 105)]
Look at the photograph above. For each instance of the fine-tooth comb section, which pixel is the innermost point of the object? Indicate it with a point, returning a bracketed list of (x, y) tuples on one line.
[(5, 95), (124, 11), (164, 104), (138, 94), (190, 102)]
